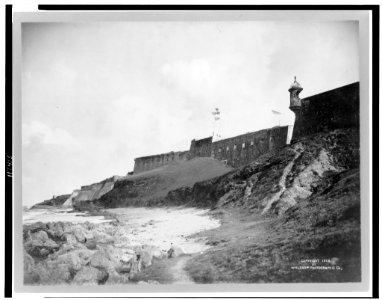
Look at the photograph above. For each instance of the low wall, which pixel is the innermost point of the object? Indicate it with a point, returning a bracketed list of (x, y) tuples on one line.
[(338, 108), (146, 163)]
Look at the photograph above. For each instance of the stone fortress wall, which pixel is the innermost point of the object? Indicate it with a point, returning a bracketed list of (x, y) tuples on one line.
[(243, 149), (337, 108), (235, 151), (200, 148), (146, 163)]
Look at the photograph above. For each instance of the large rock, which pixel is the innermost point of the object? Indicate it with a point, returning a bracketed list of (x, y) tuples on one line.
[(89, 276), (120, 255), (101, 260), (70, 238), (65, 248), (53, 272), (56, 229), (51, 245), (30, 274), (72, 260), (41, 236), (39, 244), (78, 232), (28, 262)]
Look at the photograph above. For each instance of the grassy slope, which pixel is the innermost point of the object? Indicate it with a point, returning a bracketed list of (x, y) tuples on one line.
[(151, 187)]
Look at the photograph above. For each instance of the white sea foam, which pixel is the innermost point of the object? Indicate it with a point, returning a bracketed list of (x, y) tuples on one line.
[(57, 215)]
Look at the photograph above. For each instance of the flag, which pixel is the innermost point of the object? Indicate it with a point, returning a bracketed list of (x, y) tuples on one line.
[(276, 112), (216, 114)]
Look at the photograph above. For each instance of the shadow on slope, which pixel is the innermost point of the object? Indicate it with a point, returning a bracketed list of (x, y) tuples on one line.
[(151, 187)]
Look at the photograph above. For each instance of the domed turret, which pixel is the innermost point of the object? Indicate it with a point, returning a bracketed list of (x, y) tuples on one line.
[(295, 101)]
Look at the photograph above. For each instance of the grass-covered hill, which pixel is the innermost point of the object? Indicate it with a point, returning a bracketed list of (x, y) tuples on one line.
[(151, 187)]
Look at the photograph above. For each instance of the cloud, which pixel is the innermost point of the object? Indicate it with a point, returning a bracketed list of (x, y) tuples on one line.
[(193, 77), (36, 131)]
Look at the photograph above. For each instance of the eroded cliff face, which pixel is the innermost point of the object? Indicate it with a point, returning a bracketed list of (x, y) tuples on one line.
[(279, 179), (302, 204)]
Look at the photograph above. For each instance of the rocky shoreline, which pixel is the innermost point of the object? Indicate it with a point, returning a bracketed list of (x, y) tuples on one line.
[(85, 254)]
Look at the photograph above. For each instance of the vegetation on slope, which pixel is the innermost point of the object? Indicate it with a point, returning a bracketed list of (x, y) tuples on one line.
[(151, 187), (54, 202)]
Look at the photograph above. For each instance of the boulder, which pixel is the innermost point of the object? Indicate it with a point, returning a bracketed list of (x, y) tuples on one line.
[(31, 278), (51, 245), (72, 260), (89, 275), (53, 273), (84, 254), (40, 245), (79, 234), (120, 255), (40, 236), (28, 262), (101, 260), (44, 252), (70, 238), (56, 229), (65, 248)]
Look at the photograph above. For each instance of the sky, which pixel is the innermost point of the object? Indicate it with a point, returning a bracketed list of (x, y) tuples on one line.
[(97, 95)]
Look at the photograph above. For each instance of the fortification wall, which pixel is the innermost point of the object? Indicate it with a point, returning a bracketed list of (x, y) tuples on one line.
[(243, 149), (146, 163), (338, 108), (201, 148)]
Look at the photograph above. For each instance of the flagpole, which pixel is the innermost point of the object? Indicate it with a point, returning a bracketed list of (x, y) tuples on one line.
[(277, 113)]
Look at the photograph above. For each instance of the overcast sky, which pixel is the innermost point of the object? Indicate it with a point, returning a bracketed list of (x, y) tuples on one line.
[(96, 95)]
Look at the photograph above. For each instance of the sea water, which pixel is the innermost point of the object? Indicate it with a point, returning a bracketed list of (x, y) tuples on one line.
[(60, 215)]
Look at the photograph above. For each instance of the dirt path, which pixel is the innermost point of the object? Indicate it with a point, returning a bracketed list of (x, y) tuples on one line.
[(179, 274), (286, 172)]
